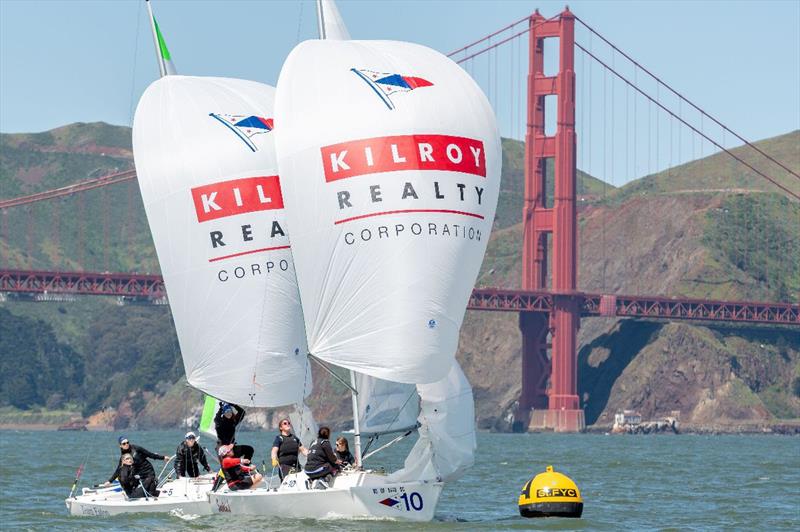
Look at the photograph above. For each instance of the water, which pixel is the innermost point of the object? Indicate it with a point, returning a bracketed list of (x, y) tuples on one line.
[(633, 482)]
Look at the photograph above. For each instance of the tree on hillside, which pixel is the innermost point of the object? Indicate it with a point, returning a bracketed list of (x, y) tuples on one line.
[(34, 364)]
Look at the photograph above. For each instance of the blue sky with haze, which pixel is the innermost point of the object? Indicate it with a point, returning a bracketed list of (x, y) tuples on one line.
[(69, 61)]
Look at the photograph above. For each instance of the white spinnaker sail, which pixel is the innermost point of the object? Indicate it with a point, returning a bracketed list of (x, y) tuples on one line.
[(207, 171), (446, 445), (385, 406), (390, 160)]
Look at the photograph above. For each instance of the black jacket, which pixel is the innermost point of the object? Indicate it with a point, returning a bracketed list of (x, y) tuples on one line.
[(186, 459), (319, 454), (345, 457), (141, 466), (226, 428), (127, 480)]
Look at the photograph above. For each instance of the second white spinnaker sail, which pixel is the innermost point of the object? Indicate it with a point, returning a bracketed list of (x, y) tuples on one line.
[(207, 172), (390, 159)]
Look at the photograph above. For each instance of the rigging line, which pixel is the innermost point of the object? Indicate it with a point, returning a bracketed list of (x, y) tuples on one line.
[(300, 22), (715, 143), (681, 96), (333, 373), (135, 54)]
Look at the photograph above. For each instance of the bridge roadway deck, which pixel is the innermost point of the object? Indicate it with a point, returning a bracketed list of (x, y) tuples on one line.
[(151, 287)]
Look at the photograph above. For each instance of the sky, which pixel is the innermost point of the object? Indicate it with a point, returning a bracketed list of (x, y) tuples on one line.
[(84, 61)]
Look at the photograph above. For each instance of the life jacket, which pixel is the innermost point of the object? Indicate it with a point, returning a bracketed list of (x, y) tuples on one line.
[(288, 449), (232, 470)]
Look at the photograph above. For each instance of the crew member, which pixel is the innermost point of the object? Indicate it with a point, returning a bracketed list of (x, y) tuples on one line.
[(285, 449), (238, 473), (188, 454), (225, 422), (127, 478), (322, 460), (343, 452), (141, 465)]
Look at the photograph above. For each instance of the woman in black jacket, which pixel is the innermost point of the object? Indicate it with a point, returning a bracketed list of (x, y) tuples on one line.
[(321, 460)]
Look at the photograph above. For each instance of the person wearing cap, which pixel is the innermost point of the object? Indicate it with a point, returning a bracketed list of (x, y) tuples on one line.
[(141, 465), (238, 472), (188, 454), (225, 422)]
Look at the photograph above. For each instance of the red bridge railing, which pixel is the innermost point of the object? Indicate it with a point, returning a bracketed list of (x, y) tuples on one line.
[(494, 299)]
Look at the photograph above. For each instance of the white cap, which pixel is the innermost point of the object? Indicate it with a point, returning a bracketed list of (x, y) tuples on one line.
[(190, 434)]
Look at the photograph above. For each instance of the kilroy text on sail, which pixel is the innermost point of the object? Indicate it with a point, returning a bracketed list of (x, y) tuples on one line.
[(445, 156), (217, 203)]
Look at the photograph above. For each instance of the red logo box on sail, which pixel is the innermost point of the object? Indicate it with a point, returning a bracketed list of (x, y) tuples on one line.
[(403, 152), (237, 196)]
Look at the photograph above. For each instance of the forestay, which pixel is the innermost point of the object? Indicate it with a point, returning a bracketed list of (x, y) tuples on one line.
[(390, 160), (207, 171)]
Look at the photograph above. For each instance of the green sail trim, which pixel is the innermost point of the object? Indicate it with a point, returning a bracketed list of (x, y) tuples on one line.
[(162, 44), (207, 418)]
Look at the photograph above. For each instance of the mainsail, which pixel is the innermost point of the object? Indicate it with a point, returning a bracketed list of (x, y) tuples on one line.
[(165, 65), (385, 406), (207, 171), (331, 25), (390, 158)]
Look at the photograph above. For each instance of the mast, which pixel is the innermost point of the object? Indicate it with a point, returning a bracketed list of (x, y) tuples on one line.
[(356, 428), (320, 20), (162, 68)]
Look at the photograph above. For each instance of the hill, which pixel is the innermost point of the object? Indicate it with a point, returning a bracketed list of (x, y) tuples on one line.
[(704, 229)]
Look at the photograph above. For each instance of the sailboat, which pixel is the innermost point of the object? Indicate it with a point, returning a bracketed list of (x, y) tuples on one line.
[(389, 155), (207, 171)]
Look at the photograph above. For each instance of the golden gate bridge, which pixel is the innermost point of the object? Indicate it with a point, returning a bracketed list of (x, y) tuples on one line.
[(549, 301)]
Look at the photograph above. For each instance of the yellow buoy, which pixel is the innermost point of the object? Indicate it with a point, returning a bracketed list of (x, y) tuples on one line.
[(550, 494)]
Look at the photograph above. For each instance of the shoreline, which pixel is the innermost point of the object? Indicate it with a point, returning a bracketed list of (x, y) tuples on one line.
[(781, 428), (786, 428)]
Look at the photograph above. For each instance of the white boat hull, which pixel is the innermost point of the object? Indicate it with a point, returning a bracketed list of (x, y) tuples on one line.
[(184, 495), (352, 495)]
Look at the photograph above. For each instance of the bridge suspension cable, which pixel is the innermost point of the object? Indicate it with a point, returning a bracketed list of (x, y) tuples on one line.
[(81, 186), (687, 124), (683, 98)]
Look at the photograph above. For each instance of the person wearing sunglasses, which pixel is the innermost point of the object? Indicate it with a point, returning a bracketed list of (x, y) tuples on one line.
[(141, 465), (285, 449), (187, 456)]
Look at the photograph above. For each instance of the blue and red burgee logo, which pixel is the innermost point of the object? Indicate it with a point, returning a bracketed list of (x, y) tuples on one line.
[(390, 502), (386, 84), (245, 127)]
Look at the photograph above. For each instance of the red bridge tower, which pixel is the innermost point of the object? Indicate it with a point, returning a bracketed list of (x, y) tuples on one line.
[(557, 406)]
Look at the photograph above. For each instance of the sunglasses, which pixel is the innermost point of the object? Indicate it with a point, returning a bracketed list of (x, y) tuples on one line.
[(123, 443), (286, 423)]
